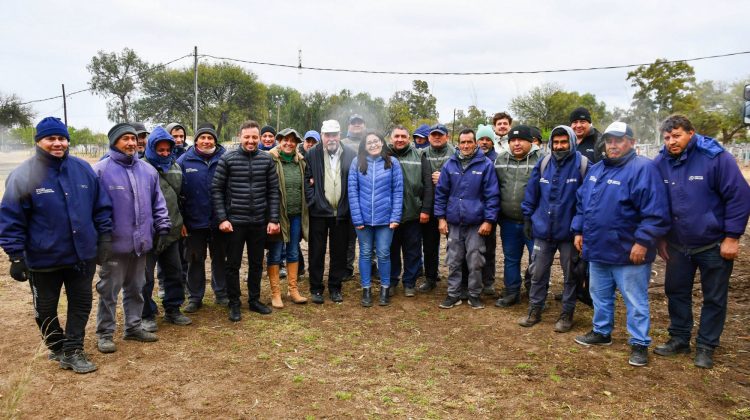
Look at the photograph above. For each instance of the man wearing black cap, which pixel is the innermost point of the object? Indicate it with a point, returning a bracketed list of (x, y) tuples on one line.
[(354, 136), (267, 138), (589, 140), (355, 132), (140, 218), (434, 157), (513, 167), (198, 167), (55, 223), (141, 136), (536, 138)]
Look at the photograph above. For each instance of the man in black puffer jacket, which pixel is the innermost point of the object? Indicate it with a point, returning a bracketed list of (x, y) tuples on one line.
[(245, 194)]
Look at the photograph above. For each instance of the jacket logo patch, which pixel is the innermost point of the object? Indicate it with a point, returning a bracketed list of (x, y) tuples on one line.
[(592, 178), (84, 186), (116, 187), (189, 170), (543, 181), (613, 182), (695, 178), (666, 181), (476, 172), (44, 190), (571, 180)]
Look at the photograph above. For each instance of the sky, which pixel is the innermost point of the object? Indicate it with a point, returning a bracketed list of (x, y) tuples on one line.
[(44, 44)]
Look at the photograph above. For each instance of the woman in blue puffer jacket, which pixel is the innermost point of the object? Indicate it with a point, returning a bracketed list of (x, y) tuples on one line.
[(376, 191)]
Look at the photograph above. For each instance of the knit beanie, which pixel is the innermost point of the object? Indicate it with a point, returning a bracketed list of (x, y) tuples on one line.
[(522, 132), (267, 129), (118, 131), (485, 131), (51, 126), (580, 113), (206, 128)]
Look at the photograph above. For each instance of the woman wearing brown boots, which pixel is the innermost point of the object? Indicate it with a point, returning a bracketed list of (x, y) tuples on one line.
[(290, 168)]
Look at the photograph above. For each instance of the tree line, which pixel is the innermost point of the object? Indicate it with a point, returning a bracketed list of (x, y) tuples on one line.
[(228, 94)]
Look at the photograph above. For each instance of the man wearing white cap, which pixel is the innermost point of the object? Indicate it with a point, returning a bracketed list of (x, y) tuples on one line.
[(326, 177), (622, 211)]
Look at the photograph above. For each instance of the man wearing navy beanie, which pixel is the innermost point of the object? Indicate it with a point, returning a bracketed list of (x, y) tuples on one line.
[(55, 225)]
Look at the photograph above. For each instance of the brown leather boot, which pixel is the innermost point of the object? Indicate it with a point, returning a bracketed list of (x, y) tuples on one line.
[(291, 277), (273, 276)]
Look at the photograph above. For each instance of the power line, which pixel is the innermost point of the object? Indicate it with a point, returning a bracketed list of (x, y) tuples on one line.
[(410, 73), (485, 73), (139, 76)]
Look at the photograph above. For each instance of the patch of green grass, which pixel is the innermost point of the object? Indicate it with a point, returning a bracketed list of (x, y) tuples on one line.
[(524, 366), (298, 379), (343, 395), (263, 356), (741, 413)]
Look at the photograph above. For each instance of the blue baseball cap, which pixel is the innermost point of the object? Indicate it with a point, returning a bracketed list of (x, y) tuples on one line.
[(440, 128), (314, 134)]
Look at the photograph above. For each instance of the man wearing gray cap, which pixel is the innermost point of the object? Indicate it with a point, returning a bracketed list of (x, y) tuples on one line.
[(326, 176), (139, 215), (354, 135), (141, 138)]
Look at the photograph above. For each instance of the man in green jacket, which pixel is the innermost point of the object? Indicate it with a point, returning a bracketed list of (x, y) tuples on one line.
[(513, 167), (434, 157), (418, 195), (160, 154)]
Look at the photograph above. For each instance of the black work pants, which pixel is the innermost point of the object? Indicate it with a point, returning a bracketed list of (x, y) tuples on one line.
[(46, 288), (327, 230)]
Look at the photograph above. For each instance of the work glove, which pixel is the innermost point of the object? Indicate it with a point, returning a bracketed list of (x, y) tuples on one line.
[(18, 269), (104, 248), (160, 243), (527, 229)]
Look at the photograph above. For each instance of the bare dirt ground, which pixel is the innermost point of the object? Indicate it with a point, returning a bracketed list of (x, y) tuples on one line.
[(410, 359)]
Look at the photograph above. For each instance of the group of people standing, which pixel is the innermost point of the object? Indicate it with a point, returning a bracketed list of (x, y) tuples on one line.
[(153, 203)]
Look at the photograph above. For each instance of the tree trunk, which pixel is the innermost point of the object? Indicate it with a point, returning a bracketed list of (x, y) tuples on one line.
[(124, 103)]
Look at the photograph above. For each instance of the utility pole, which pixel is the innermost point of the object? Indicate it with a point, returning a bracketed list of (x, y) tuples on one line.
[(453, 133), (65, 105), (195, 88)]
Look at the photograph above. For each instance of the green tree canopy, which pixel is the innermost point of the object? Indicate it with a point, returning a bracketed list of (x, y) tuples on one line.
[(549, 105), (227, 95), (116, 78), (12, 113)]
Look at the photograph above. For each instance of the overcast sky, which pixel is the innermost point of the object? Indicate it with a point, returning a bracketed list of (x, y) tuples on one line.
[(46, 43)]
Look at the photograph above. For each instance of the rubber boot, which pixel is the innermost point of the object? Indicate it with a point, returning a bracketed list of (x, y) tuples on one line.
[(273, 276), (291, 278)]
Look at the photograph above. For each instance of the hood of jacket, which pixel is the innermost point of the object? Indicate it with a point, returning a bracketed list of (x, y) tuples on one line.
[(159, 162)]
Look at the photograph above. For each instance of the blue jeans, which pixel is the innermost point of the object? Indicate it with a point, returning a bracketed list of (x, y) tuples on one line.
[(380, 237), (511, 234), (678, 285), (632, 281), (292, 247)]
